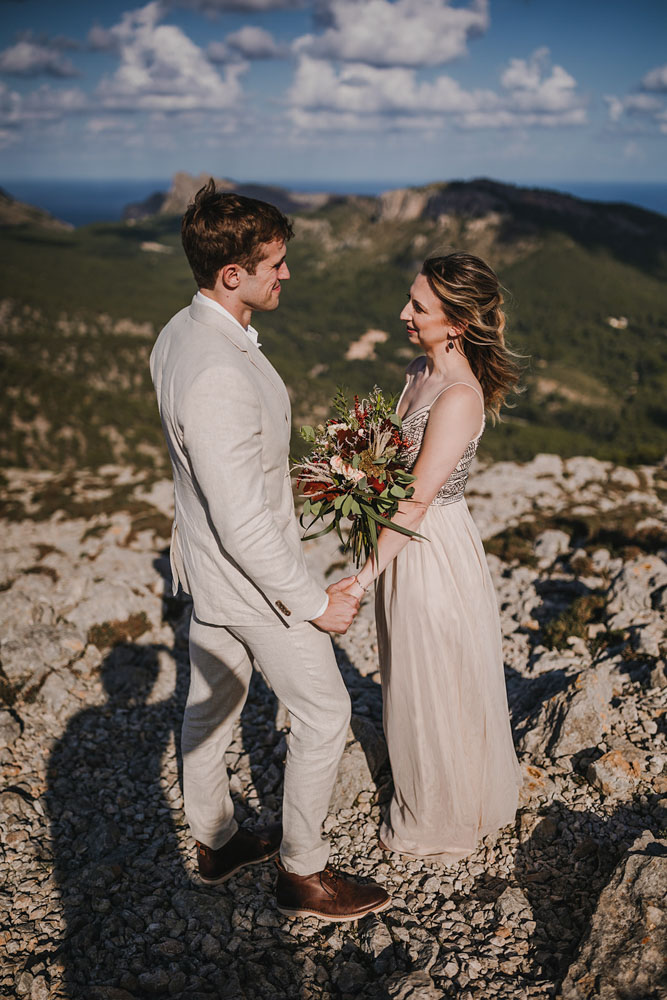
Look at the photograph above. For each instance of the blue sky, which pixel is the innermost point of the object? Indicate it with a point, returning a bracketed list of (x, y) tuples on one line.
[(398, 91)]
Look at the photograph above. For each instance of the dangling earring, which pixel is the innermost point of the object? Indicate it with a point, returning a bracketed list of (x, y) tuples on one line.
[(449, 345)]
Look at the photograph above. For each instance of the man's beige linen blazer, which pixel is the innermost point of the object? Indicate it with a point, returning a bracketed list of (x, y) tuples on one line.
[(226, 416)]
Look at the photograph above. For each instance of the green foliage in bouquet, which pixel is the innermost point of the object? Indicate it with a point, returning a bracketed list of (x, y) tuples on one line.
[(356, 472)]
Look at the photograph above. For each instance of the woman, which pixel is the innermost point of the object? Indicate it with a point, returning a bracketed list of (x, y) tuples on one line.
[(456, 776)]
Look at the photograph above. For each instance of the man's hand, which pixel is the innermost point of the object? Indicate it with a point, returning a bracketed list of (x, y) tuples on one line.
[(341, 609)]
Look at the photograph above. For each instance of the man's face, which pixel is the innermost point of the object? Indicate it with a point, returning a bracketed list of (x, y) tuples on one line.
[(261, 290)]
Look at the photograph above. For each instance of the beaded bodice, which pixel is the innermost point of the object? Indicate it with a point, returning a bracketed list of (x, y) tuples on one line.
[(414, 426)]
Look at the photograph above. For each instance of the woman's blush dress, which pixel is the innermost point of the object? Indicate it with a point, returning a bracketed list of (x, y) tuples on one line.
[(446, 720)]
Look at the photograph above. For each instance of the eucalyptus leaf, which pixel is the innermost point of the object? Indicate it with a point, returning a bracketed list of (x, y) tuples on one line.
[(319, 534)]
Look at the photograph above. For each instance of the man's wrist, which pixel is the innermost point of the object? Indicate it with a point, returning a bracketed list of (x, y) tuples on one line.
[(322, 609)]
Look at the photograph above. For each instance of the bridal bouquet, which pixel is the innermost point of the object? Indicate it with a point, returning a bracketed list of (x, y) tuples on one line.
[(355, 472)]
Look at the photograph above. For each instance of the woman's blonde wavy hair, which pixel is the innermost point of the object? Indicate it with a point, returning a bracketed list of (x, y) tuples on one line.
[(471, 298)]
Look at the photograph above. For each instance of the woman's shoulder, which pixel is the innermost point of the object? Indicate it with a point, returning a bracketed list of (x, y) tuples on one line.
[(463, 395), (416, 365)]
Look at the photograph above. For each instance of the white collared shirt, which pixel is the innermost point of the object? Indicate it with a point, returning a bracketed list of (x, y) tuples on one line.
[(250, 332)]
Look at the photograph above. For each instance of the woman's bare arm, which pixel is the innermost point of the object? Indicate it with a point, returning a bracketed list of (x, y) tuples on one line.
[(453, 422)]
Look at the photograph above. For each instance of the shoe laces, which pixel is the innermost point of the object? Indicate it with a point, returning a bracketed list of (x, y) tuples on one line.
[(332, 875)]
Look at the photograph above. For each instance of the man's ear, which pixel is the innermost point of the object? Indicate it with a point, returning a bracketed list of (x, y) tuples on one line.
[(230, 276)]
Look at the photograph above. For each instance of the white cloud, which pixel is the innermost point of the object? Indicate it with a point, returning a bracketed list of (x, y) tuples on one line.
[(536, 88), (161, 69), (656, 79), (398, 33), (10, 106), (213, 7), (102, 39), (219, 52), (31, 57), (250, 42), (107, 123), (507, 118), (645, 110), (362, 89), (533, 94), (50, 103), (44, 104), (255, 43)]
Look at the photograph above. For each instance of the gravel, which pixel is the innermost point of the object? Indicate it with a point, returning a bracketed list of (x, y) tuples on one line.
[(100, 899)]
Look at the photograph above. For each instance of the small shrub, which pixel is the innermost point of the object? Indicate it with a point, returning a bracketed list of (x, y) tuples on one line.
[(110, 634), (573, 621)]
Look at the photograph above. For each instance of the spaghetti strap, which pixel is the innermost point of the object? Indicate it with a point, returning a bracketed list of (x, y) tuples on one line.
[(400, 398), (481, 397), (451, 386)]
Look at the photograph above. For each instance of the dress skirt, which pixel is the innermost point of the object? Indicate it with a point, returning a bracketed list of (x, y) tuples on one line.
[(446, 720)]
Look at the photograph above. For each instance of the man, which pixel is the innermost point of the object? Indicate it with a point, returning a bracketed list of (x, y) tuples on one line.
[(236, 549)]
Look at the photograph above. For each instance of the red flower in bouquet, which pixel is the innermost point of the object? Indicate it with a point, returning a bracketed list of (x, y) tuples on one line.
[(355, 471)]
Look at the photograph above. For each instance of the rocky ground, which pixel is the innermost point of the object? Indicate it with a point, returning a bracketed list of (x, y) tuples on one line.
[(99, 892)]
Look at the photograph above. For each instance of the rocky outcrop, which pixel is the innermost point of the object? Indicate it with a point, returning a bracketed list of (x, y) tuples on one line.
[(98, 860), (18, 213), (403, 204), (624, 954), (184, 187), (574, 719)]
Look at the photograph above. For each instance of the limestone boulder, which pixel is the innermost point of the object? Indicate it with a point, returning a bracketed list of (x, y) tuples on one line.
[(618, 772), (634, 590), (34, 652), (624, 953), (574, 719)]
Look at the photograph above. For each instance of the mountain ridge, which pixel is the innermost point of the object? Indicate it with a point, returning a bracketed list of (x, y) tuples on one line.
[(19, 213), (514, 209), (584, 293)]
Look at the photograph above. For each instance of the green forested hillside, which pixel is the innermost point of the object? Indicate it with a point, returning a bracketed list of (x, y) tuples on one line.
[(81, 309)]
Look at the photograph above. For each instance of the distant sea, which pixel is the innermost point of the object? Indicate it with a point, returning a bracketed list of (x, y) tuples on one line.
[(81, 202)]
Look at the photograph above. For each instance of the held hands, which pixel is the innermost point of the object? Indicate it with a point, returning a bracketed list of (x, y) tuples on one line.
[(343, 606)]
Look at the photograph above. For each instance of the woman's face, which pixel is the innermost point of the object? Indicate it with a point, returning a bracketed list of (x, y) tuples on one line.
[(426, 323)]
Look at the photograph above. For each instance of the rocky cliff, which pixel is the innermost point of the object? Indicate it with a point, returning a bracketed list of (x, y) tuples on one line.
[(101, 898), (184, 187), (18, 213), (499, 218)]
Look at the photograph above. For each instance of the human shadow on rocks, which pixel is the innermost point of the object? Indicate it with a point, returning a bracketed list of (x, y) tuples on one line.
[(135, 918), (114, 803), (113, 837)]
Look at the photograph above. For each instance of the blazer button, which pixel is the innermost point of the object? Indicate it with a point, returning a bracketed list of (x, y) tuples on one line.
[(281, 607)]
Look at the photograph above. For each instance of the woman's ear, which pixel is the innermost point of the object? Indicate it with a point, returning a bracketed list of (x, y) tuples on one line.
[(457, 330)]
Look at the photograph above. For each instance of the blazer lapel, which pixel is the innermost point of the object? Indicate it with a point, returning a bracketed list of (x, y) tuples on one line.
[(261, 362), (211, 317)]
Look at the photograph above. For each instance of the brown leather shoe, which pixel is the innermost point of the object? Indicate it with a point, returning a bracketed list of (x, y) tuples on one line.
[(328, 895), (244, 848)]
